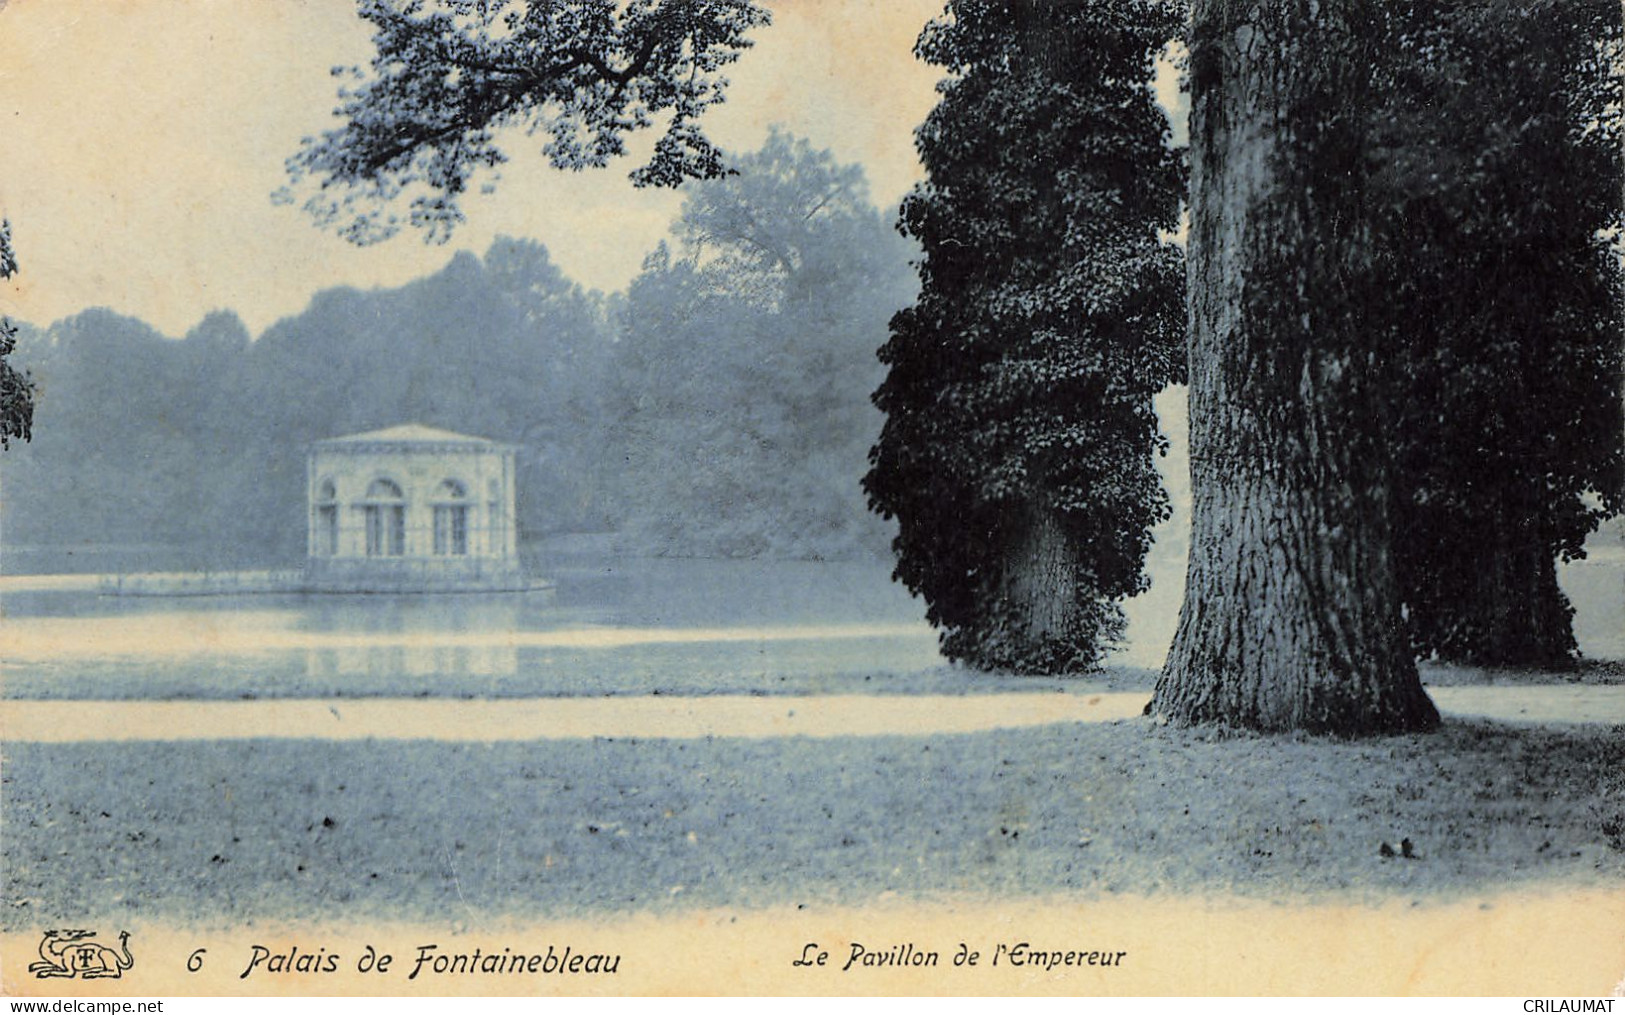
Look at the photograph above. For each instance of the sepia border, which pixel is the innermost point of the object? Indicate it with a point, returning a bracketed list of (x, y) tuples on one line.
[(1564, 942)]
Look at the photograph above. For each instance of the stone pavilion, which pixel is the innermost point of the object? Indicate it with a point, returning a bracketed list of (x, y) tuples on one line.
[(411, 509)]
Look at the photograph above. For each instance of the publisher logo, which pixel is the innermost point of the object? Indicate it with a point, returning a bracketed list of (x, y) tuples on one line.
[(78, 954)]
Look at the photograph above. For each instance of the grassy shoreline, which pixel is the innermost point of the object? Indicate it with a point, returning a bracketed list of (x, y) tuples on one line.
[(631, 672)]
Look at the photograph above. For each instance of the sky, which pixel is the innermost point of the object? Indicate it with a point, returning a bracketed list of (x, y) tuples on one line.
[(140, 141)]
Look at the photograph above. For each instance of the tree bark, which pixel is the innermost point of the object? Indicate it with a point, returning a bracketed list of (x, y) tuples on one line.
[(1040, 586), (1291, 617)]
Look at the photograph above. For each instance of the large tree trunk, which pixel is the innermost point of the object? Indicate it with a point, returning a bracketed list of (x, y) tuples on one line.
[(1520, 615), (1041, 589), (1291, 616), (1491, 597)]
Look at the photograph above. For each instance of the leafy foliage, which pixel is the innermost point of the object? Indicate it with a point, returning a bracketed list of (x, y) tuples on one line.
[(729, 417), (1498, 175), (745, 352), (16, 387), (450, 76), (200, 443), (1018, 396)]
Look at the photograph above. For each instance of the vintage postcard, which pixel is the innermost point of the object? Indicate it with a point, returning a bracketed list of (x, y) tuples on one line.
[(438, 564)]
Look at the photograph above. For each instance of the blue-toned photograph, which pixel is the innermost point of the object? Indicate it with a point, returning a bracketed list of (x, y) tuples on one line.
[(945, 496)]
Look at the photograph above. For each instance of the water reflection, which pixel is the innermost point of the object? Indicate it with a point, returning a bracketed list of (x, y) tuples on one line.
[(647, 627), (654, 627), (406, 635), (393, 614), (412, 661)]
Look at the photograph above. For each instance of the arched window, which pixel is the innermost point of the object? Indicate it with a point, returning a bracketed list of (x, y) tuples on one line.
[(451, 519), (327, 520), (384, 510)]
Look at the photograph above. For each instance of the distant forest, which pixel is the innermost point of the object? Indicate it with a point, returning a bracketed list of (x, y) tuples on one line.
[(718, 407)]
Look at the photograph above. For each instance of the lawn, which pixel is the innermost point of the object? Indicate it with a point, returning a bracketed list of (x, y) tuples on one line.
[(219, 833)]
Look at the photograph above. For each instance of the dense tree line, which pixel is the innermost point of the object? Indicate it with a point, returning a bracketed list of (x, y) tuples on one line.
[(719, 407), (746, 353), (199, 442)]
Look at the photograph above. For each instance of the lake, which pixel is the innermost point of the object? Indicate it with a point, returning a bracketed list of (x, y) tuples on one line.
[(617, 627), (664, 626)]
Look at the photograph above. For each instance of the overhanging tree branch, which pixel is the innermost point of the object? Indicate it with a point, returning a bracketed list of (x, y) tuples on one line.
[(445, 79)]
